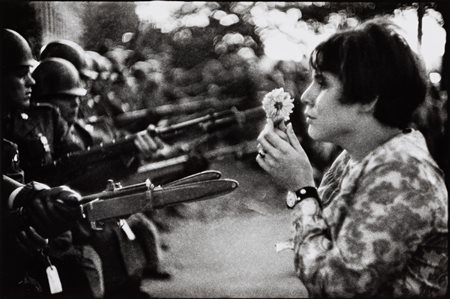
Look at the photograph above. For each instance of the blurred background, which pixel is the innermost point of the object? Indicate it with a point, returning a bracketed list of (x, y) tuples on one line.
[(163, 52)]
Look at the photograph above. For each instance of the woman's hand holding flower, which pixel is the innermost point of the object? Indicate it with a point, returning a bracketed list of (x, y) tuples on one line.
[(285, 160)]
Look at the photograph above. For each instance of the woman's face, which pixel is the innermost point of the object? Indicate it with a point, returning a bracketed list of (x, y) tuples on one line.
[(328, 120)]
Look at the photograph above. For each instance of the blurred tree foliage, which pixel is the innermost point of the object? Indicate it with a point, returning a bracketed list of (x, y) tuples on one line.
[(106, 22), (193, 44)]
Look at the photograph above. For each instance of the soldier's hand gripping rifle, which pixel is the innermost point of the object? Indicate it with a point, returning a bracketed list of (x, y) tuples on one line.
[(118, 202), (75, 163)]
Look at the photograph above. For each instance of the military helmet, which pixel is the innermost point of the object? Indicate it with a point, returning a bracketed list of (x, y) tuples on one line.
[(101, 64), (56, 76), (15, 50), (70, 51), (96, 61)]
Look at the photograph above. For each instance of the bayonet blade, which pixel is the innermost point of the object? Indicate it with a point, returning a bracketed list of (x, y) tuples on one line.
[(124, 205), (192, 192), (197, 177)]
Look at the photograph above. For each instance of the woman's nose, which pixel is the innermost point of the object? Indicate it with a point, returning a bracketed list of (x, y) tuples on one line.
[(308, 96)]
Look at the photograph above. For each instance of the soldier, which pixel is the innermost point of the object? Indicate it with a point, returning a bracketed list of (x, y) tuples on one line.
[(30, 214), (97, 100), (33, 212), (71, 51), (38, 130), (58, 83)]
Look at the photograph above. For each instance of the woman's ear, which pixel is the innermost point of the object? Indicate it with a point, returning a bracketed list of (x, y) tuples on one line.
[(368, 107)]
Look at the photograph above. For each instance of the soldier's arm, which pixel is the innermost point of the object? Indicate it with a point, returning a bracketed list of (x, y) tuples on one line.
[(49, 211)]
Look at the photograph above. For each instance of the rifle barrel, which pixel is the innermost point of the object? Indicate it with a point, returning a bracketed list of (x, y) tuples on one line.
[(168, 132), (207, 123), (164, 111)]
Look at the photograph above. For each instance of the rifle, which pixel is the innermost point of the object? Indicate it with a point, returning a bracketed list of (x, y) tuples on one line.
[(117, 202), (72, 162), (238, 150), (164, 111)]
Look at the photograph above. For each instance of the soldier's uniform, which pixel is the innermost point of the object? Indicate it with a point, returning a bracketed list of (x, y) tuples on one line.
[(137, 255), (82, 137), (10, 161), (123, 258), (10, 167), (36, 132), (23, 274), (41, 135)]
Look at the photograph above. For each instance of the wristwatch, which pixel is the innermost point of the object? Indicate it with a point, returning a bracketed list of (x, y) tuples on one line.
[(293, 198)]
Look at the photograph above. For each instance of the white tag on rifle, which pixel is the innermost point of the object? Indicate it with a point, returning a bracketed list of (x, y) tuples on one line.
[(127, 229), (53, 280)]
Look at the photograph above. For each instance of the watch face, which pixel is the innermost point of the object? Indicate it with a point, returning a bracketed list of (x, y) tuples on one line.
[(291, 199)]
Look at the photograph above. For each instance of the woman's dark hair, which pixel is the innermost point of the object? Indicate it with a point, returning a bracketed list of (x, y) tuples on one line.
[(374, 61)]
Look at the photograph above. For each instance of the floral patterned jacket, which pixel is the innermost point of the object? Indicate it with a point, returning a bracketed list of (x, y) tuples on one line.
[(383, 229)]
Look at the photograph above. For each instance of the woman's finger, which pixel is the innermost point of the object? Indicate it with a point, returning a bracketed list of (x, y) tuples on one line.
[(282, 126), (268, 148), (293, 140), (282, 134), (277, 142), (261, 161)]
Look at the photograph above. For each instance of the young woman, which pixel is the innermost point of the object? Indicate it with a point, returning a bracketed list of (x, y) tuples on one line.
[(377, 225)]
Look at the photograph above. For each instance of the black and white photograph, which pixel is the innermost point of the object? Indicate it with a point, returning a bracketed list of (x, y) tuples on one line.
[(187, 149)]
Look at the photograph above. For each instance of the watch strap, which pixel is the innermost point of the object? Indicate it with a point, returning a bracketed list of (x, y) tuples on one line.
[(307, 192)]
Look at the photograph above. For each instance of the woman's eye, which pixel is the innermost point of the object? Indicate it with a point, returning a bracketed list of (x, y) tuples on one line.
[(321, 83), (320, 80)]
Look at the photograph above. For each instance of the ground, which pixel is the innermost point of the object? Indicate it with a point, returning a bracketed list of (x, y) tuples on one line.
[(225, 247)]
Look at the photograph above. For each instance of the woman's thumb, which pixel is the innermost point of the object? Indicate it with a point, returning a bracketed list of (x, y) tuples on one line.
[(293, 140)]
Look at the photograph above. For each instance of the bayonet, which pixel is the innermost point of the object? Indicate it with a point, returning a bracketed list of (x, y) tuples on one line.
[(197, 177), (124, 201)]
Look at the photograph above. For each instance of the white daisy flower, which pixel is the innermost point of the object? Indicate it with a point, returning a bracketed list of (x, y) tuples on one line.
[(278, 105)]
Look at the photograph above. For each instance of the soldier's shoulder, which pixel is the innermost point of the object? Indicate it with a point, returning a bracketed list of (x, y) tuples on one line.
[(8, 143), (44, 108), (9, 149)]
